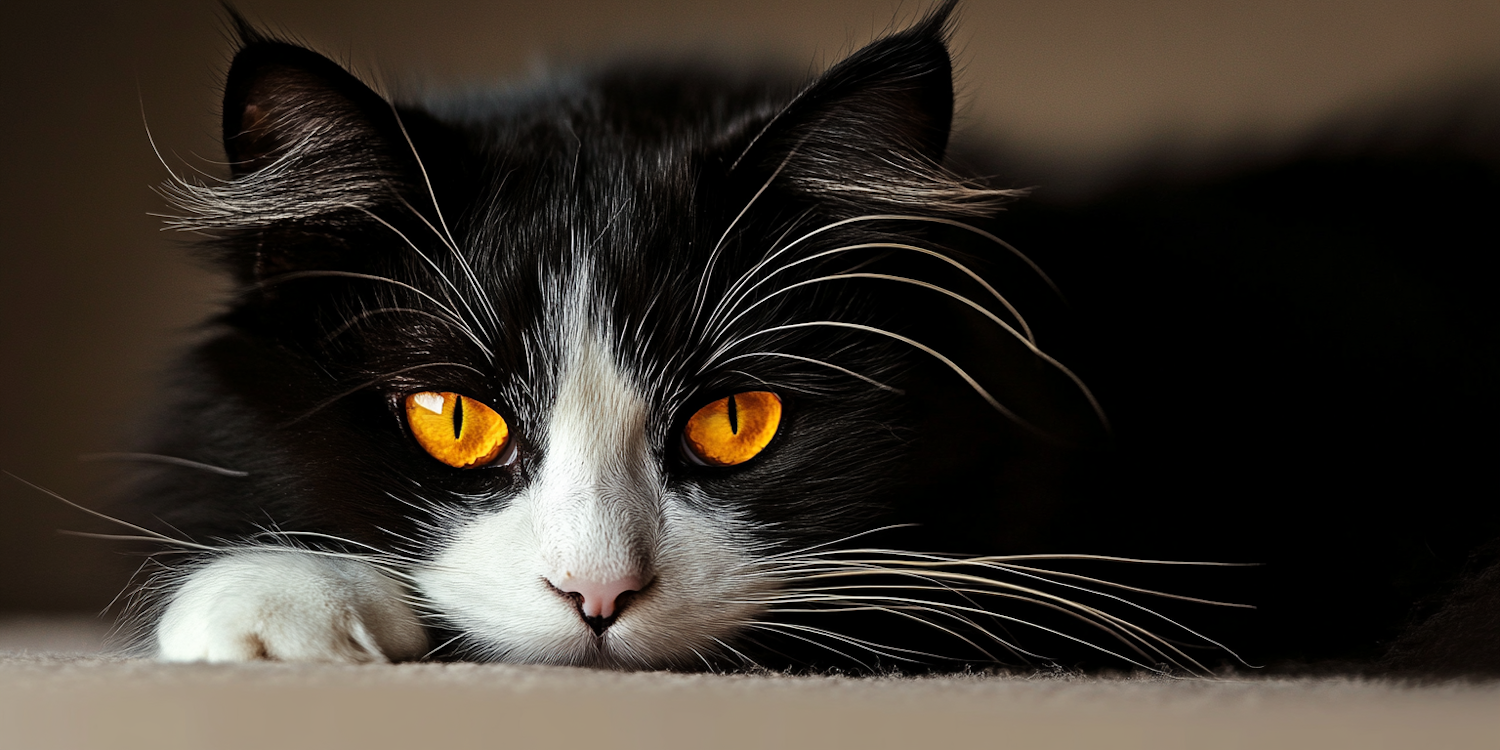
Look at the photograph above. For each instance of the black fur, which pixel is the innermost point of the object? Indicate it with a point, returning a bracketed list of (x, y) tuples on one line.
[(1256, 420)]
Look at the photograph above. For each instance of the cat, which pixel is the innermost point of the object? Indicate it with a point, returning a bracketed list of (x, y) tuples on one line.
[(640, 367)]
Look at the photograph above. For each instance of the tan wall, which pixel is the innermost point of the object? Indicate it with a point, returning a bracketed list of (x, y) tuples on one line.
[(93, 296)]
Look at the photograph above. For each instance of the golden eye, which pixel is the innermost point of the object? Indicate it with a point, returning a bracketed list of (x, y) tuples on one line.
[(733, 429), (456, 430)]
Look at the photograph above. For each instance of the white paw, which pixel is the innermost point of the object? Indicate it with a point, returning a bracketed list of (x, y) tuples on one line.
[(289, 606)]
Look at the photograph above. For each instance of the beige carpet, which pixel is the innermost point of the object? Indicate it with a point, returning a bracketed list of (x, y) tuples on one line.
[(58, 691)]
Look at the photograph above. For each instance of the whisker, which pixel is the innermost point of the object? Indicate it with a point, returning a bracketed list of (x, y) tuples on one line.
[(841, 540), (902, 611), (1013, 558), (810, 360), (744, 278), (316, 535), (104, 516), (1042, 572), (876, 570), (438, 209), (161, 459), (700, 295), (828, 564), (1018, 570), (976, 230), (453, 315), (1027, 340), (349, 324), (356, 389), (974, 384), (442, 646), (1049, 605), (709, 666), (139, 538), (1004, 563), (782, 627), (430, 264), (1029, 336), (743, 658)]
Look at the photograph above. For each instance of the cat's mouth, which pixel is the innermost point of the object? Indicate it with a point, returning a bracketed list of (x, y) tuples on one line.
[(676, 608)]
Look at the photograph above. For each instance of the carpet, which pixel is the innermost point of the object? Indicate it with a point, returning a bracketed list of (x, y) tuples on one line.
[(59, 690)]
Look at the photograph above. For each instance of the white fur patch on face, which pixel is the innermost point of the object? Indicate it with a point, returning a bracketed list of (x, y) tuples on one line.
[(597, 510)]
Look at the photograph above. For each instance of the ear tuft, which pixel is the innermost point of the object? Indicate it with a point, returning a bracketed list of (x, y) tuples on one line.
[(304, 139), (280, 98), (871, 133), (245, 32)]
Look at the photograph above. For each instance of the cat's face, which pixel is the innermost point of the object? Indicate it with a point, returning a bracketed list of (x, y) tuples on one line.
[(597, 505), (576, 361)]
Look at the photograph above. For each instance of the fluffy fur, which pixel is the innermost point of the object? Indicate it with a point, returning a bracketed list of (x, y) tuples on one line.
[(597, 257)]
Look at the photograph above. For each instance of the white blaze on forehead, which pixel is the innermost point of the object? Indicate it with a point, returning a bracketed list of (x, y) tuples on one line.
[(598, 491), (430, 401)]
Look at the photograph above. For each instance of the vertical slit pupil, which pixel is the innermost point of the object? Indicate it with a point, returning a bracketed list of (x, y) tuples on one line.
[(458, 416), (734, 417)]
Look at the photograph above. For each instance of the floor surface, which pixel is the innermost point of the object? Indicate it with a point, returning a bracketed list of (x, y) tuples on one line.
[(58, 690)]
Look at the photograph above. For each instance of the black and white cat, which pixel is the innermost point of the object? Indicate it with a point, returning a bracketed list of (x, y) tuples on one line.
[(634, 368)]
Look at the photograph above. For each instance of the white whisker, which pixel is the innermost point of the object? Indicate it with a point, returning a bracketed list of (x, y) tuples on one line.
[(356, 389), (438, 209), (810, 360), (349, 324), (1020, 320), (973, 384), (938, 560), (1026, 340), (462, 298), (453, 315), (157, 536), (160, 459), (713, 256)]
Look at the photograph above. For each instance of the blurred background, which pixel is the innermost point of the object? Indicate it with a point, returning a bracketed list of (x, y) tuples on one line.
[(94, 297)]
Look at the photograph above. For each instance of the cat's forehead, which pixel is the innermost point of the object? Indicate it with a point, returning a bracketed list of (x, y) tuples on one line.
[(633, 156), (575, 180), (589, 245)]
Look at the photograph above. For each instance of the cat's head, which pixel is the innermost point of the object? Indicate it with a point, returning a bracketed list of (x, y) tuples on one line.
[(591, 361)]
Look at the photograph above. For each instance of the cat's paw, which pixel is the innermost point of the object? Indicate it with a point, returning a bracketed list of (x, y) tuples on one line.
[(289, 606)]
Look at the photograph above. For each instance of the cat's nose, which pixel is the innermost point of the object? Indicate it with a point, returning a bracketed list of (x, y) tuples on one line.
[(599, 602)]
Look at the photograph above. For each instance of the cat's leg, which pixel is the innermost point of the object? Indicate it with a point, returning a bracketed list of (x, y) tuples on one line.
[(289, 606)]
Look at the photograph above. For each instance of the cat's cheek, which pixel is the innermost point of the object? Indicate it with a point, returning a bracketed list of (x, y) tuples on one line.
[(289, 606), (488, 583)]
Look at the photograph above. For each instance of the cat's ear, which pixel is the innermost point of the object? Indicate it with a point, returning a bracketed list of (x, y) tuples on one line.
[(313, 155), (872, 131), (286, 107), (306, 142)]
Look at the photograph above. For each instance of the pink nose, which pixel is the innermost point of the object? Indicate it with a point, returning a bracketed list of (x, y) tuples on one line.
[(599, 599)]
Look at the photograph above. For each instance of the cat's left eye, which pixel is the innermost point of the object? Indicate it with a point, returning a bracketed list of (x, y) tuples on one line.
[(457, 430), (732, 430)]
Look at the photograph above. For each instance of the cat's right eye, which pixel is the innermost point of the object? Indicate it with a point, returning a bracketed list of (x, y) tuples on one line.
[(457, 430)]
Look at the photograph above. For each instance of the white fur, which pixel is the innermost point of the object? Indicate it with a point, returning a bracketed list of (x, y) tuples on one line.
[(289, 606), (597, 510)]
